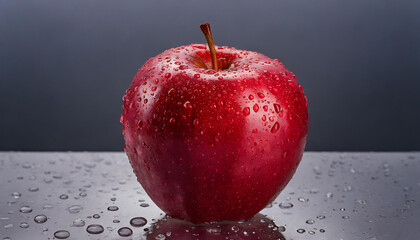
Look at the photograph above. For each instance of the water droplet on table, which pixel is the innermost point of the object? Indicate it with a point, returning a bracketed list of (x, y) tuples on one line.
[(285, 205), (75, 209), (7, 226), (78, 223), (138, 222), (62, 234), (95, 229), (64, 196), (16, 195), (47, 206), (24, 225), (113, 208), (33, 189), (310, 221), (125, 232), (25, 209), (40, 218)]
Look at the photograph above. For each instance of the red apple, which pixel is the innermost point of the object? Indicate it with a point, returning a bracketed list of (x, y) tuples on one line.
[(214, 135)]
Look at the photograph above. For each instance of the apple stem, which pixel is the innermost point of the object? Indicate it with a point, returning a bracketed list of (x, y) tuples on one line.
[(205, 28)]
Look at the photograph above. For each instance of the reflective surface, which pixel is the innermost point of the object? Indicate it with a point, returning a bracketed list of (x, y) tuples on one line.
[(96, 196)]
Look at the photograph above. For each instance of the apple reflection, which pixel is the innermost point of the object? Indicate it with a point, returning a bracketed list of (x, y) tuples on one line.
[(258, 227)]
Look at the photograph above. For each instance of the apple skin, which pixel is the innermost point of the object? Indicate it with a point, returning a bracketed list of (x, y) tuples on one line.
[(210, 146)]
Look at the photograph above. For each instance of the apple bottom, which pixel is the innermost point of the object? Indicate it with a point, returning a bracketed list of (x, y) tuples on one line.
[(198, 188)]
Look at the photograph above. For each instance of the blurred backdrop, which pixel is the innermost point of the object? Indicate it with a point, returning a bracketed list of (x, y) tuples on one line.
[(64, 65)]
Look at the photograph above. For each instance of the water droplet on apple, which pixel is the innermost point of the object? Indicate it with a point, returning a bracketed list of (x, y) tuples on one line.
[(167, 75), (160, 237), (265, 107), (261, 95), (256, 107), (214, 230), (277, 108), (235, 228), (183, 67), (199, 46), (187, 105), (246, 111), (251, 97), (275, 127)]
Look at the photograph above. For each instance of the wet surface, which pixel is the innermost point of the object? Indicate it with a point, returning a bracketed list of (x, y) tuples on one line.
[(96, 196)]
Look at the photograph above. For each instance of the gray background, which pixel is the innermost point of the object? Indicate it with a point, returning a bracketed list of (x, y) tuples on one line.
[(64, 65)]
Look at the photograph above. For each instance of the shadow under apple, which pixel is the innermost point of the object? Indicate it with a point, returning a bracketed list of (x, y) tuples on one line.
[(258, 227)]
